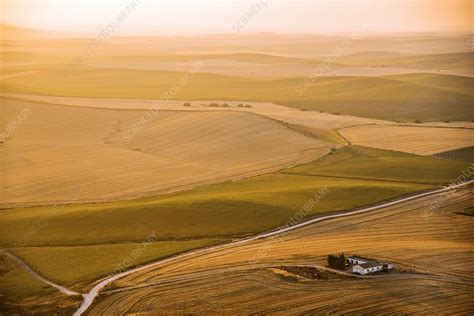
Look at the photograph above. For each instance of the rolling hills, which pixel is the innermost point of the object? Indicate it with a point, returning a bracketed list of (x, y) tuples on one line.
[(401, 97), (77, 235), (78, 154)]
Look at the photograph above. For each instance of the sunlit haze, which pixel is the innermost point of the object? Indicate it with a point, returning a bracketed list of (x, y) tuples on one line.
[(166, 17)]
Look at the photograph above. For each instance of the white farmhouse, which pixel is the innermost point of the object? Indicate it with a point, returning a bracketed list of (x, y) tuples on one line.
[(363, 266), (367, 267)]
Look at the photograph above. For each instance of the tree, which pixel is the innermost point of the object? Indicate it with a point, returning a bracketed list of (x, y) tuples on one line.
[(337, 261), (332, 261), (342, 261)]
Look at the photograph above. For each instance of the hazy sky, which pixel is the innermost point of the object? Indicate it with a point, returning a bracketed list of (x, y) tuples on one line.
[(170, 17)]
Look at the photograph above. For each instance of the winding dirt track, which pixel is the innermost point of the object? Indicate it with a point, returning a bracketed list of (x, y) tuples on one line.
[(369, 231), (36, 275)]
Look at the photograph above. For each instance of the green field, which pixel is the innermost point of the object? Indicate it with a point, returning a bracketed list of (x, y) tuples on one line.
[(17, 283), (76, 267), (91, 240), (465, 154), (22, 294), (226, 210), (363, 162)]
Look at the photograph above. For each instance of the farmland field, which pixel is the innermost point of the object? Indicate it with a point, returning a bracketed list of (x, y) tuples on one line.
[(388, 85), (361, 162), (410, 139), (82, 260), (465, 154), (147, 168), (243, 275), (177, 150), (352, 95), (20, 292), (79, 235), (307, 118)]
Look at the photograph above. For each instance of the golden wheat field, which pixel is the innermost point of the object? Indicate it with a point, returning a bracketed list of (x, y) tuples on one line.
[(310, 119), (410, 139), (63, 154), (433, 249)]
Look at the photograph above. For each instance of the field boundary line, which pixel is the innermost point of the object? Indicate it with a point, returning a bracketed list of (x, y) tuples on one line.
[(422, 126), (408, 125), (354, 178), (94, 292)]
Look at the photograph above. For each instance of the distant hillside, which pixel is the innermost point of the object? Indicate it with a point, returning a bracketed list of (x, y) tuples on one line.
[(426, 97), (10, 32), (459, 60)]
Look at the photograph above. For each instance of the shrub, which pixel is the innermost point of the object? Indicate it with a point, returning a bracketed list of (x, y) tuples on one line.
[(240, 105), (418, 122), (214, 105), (447, 121), (336, 113), (303, 109), (187, 104), (224, 105), (248, 106)]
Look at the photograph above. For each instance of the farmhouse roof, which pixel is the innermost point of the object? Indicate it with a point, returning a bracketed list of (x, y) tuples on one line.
[(370, 264), (360, 258)]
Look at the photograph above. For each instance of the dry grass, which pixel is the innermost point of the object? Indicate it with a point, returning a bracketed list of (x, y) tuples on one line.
[(63, 154), (438, 244), (410, 139)]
